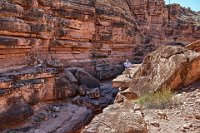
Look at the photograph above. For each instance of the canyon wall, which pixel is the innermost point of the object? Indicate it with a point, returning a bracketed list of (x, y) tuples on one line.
[(94, 34), (97, 35), (161, 24)]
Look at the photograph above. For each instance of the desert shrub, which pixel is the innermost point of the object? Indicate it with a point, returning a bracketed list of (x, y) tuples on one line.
[(160, 99)]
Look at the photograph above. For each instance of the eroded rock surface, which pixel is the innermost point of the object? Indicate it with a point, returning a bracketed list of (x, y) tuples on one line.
[(118, 118), (24, 89), (195, 46), (168, 67), (92, 34)]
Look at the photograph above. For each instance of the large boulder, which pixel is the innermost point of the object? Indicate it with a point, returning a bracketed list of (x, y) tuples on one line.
[(167, 67), (14, 109), (84, 78), (118, 118)]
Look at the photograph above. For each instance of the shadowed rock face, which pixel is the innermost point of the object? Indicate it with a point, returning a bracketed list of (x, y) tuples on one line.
[(14, 109), (94, 34), (23, 90)]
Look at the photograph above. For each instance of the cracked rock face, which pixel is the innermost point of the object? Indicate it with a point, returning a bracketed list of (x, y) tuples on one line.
[(21, 91), (84, 33), (93, 34), (118, 119), (168, 67)]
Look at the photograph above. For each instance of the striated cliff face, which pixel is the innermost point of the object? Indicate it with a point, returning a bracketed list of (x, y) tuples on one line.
[(93, 34), (97, 35), (161, 24)]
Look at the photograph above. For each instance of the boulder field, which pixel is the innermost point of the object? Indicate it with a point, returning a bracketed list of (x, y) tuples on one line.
[(59, 100)]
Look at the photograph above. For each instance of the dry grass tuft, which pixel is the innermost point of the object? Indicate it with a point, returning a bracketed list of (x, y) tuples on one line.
[(161, 99)]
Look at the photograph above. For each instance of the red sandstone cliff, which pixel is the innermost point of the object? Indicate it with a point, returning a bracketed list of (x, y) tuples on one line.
[(94, 34)]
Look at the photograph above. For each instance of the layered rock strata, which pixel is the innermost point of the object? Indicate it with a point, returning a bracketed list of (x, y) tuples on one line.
[(163, 24), (94, 34), (21, 90)]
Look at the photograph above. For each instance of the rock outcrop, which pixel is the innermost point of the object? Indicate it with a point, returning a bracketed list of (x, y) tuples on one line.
[(14, 109), (118, 118), (163, 24), (22, 89), (168, 67), (93, 34), (122, 81)]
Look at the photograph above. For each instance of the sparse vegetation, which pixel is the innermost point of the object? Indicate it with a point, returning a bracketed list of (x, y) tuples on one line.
[(160, 99)]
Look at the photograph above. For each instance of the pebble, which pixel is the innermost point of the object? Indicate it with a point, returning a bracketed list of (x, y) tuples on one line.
[(137, 107), (56, 109), (162, 115), (54, 115), (197, 116), (155, 124), (187, 126), (198, 100)]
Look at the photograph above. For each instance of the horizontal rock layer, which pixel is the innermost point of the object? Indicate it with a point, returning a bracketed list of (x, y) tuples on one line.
[(84, 33), (21, 91), (94, 34)]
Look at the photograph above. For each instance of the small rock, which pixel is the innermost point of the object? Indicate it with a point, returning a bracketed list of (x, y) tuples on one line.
[(94, 93), (191, 109), (155, 124), (56, 109), (196, 126), (162, 115), (187, 126), (183, 130), (197, 116), (137, 107), (198, 100), (178, 95), (54, 115)]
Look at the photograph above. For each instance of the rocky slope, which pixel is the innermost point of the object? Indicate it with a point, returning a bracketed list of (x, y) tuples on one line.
[(180, 114), (93, 34), (171, 67)]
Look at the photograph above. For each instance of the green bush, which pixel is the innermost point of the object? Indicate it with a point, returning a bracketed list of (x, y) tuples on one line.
[(160, 99)]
